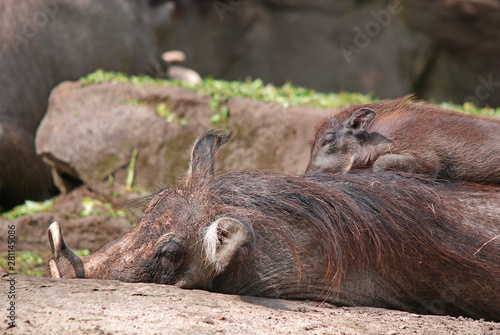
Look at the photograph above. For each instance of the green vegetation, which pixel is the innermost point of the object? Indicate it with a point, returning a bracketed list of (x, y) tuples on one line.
[(470, 108), (27, 262), (29, 207), (287, 95), (96, 207), (131, 170), (90, 207), (164, 111), (220, 90), (31, 263)]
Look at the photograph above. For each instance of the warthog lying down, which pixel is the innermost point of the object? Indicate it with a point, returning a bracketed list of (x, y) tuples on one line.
[(372, 239), (408, 136), (44, 42)]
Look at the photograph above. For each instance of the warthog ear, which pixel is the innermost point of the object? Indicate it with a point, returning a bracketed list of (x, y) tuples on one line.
[(204, 152), (360, 119), (223, 238)]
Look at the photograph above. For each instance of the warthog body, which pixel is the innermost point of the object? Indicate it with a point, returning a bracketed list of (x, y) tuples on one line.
[(408, 136), (371, 239), (44, 42)]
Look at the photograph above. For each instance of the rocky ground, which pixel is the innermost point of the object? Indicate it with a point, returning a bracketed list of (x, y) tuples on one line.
[(64, 306)]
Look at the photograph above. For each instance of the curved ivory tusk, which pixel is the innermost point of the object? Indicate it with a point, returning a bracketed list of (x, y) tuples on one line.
[(183, 74), (54, 269), (174, 56), (55, 239)]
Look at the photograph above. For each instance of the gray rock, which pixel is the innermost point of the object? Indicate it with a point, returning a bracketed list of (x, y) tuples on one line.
[(443, 50), (463, 61), (89, 134)]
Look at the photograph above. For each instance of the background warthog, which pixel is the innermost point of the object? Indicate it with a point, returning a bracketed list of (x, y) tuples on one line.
[(44, 42), (408, 136), (376, 239)]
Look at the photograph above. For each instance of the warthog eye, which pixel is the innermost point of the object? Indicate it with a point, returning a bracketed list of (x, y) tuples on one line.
[(329, 139), (171, 250)]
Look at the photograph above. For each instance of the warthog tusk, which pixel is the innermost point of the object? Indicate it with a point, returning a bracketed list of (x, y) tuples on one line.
[(55, 239), (54, 269), (174, 56)]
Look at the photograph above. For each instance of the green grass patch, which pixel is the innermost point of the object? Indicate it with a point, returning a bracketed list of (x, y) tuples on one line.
[(90, 207), (134, 102), (96, 207), (27, 262), (31, 263), (288, 95), (165, 112), (29, 207), (222, 90), (470, 108)]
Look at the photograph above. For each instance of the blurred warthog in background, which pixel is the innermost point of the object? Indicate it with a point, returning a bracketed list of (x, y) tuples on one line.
[(44, 42)]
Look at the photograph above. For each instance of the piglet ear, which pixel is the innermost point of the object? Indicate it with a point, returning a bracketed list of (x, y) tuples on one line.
[(204, 153), (223, 238), (360, 119)]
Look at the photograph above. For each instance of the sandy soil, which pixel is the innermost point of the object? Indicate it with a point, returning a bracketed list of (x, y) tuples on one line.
[(64, 306)]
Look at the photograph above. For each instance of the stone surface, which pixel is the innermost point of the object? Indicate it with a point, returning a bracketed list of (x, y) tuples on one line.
[(64, 306), (90, 133), (463, 61), (438, 49)]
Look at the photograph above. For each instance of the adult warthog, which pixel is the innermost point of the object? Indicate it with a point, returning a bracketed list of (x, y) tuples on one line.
[(372, 239), (408, 136), (44, 42)]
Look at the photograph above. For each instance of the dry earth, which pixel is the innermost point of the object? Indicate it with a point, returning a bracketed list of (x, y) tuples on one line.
[(65, 306)]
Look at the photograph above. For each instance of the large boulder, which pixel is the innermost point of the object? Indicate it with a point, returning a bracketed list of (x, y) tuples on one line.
[(311, 43), (46, 42), (441, 49), (463, 61), (99, 134)]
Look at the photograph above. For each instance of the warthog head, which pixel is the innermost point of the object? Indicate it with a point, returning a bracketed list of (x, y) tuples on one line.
[(185, 238)]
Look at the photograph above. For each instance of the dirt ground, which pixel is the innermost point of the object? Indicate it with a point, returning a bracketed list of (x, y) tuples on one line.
[(65, 306)]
